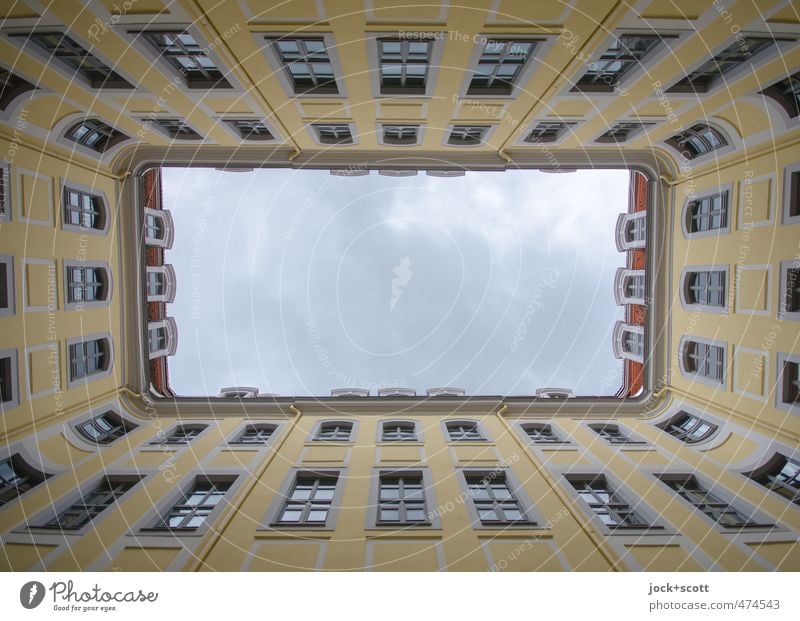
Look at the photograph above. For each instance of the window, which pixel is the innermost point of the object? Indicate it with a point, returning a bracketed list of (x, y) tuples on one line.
[(791, 194), (398, 431), (17, 477), (704, 360), (5, 192), (307, 65), (400, 135), (705, 288), (11, 87), (255, 434), (404, 66), (548, 131), (688, 428), (540, 433), (86, 284), (633, 343), (95, 135), (613, 434), (787, 93), (789, 381), (624, 54), (631, 231), (162, 337), (177, 129), (309, 501), (182, 434), (467, 135), (62, 47), (723, 513), (157, 339), (629, 286), (157, 227), (160, 283), (463, 431), (92, 504), (83, 210), (628, 341), (697, 140), (7, 298), (611, 508), (105, 428), (499, 66), (9, 395), (493, 499), (185, 54), (780, 475), (333, 134), (554, 393), (195, 506), (87, 358), (250, 129), (789, 303), (707, 213), (737, 55), (401, 499), (623, 131), (337, 431)]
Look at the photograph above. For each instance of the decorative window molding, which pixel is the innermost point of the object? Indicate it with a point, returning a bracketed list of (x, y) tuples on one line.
[(397, 392), (708, 214), (186, 56), (11, 87), (251, 129), (159, 229), (705, 288), (611, 510), (93, 71), (623, 131), (334, 431), (399, 431), (786, 93), (789, 292), (9, 379), (541, 433), (498, 499), (464, 431), (711, 501), (196, 506), (95, 135), (688, 428), (17, 476), (402, 497), (781, 475), (629, 286), (554, 393), (704, 360), (787, 389), (626, 53), (463, 135), (180, 435), (334, 134), (394, 135), (309, 499), (90, 358), (307, 65), (445, 391), (404, 65), (350, 392), (398, 173), (445, 173), (162, 338), (549, 132), (87, 284), (631, 231), (8, 299), (83, 209), (699, 140), (255, 434), (173, 128), (791, 194), (104, 428), (628, 342), (160, 283), (239, 392), (614, 434), (501, 65)]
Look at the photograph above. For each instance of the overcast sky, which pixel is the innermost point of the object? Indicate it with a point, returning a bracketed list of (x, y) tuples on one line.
[(298, 282)]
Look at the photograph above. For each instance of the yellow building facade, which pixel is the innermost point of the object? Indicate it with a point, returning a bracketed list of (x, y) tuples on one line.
[(101, 468)]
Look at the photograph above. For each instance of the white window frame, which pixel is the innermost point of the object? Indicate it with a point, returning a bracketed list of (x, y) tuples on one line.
[(263, 41), (313, 437), (445, 391), (379, 127), (620, 231), (373, 61), (684, 283), (270, 521), (532, 519), (788, 173), (784, 276), (167, 225), (95, 412), (404, 421), (554, 430), (620, 286), (170, 284), (13, 356), (697, 377), (554, 393), (726, 190), (484, 437), (92, 265), (428, 492), (100, 195), (170, 328), (76, 383), (312, 130), (489, 129), (783, 357), (238, 392), (7, 263), (618, 340)]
